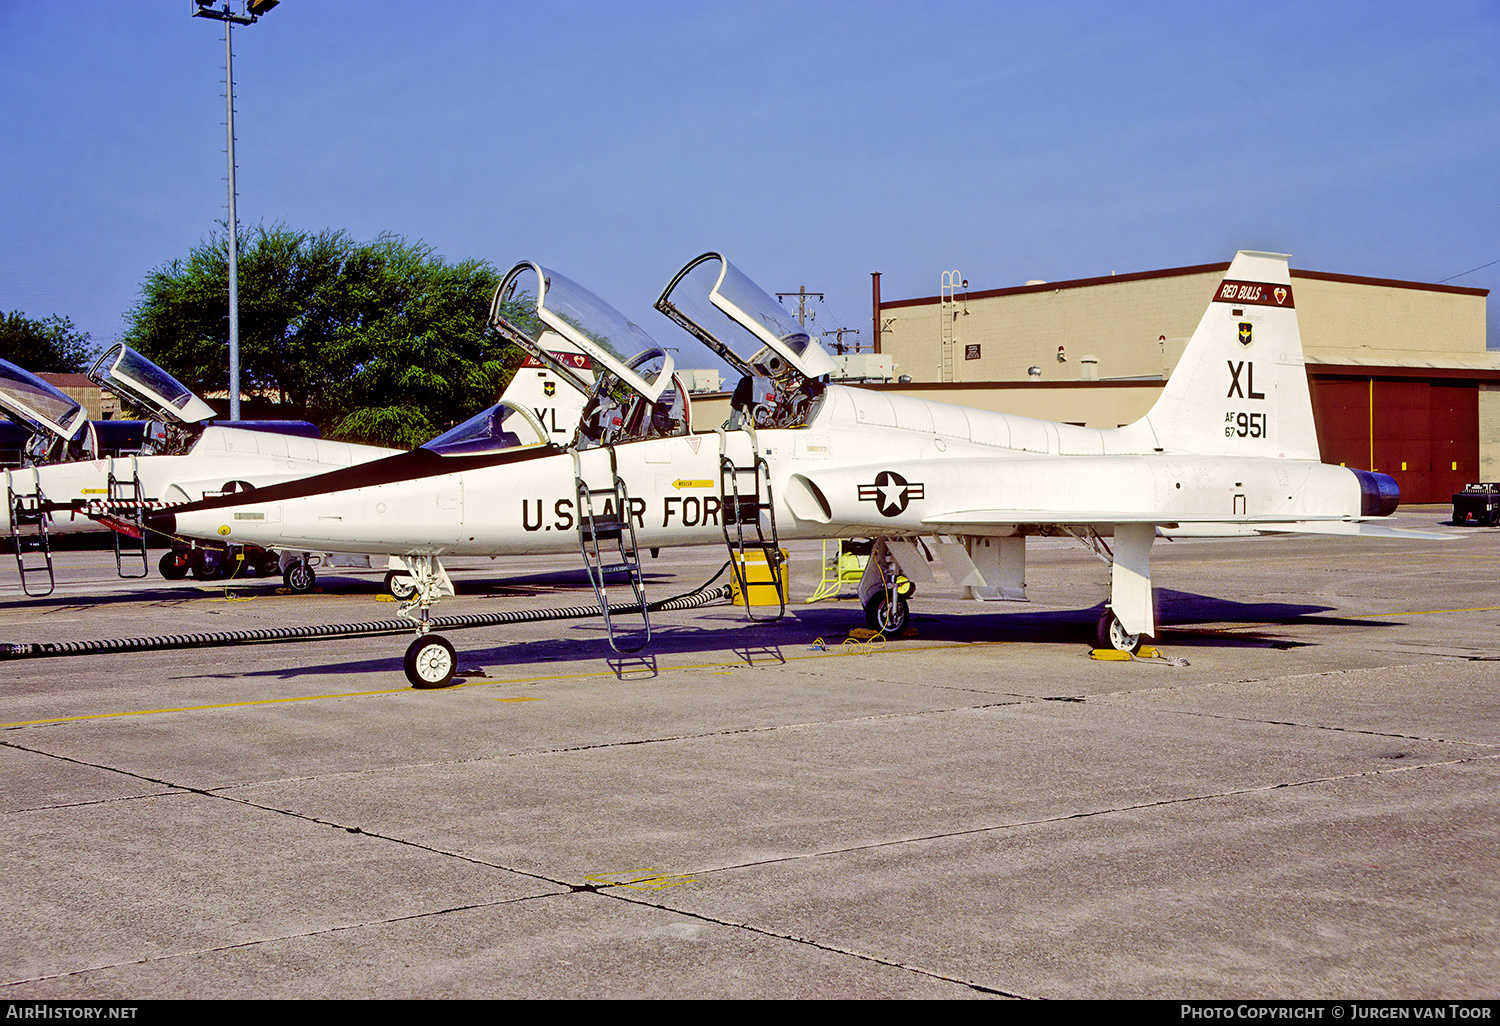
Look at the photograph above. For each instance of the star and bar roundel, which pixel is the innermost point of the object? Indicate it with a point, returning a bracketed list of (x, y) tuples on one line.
[(891, 493)]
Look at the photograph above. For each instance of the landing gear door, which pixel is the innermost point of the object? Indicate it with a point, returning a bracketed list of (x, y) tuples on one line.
[(126, 372)]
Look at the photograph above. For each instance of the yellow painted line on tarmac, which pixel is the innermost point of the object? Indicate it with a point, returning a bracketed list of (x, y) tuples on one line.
[(468, 684), (1432, 612), (200, 708)]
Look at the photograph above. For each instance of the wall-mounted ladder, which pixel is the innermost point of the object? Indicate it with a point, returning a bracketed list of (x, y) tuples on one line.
[(947, 319), (607, 538)]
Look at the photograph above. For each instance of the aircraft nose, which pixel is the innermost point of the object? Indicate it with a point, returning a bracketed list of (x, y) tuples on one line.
[(162, 523)]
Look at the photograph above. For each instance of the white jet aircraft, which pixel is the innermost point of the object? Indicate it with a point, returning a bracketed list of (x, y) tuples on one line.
[(1229, 448), (67, 487)]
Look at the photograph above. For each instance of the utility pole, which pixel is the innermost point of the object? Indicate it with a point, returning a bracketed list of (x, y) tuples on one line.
[(251, 14), (802, 297), (838, 335)]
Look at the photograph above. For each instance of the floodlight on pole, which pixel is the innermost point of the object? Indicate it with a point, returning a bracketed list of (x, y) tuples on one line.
[(250, 14)]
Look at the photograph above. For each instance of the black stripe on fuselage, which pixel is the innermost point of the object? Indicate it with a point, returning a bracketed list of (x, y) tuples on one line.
[(406, 466)]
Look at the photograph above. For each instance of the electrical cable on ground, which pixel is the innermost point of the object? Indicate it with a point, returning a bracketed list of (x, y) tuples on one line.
[(317, 632)]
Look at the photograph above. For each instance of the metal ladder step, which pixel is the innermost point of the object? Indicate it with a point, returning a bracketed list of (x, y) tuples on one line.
[(742, 509), (28, 509), (127, 500), (605, 528)]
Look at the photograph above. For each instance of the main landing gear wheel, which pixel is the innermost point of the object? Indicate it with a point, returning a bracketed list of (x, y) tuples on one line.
[(171, 569), (399, 584), (430, 662), (299, 577), (880, 616), (1110, 633)]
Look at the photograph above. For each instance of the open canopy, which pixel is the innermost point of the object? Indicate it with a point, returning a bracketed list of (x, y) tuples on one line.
[(502, 426), (30, 401), (126, 372), (734, 317), (570, 317)]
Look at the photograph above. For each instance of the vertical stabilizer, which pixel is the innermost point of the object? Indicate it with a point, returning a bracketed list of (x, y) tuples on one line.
[(1240, 388)]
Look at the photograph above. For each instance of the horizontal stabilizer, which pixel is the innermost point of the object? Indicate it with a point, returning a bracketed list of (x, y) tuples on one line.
[(1354, 528)]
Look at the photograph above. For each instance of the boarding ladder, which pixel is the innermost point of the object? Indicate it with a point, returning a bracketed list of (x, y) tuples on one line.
[(607, 538), (127, 509), (28, 529), (744, 495)]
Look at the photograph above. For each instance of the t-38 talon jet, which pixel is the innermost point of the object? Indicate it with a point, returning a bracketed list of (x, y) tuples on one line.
[(1229, 448), (68, 486)]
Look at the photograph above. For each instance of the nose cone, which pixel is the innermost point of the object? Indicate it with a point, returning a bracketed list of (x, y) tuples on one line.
[(161, 524)]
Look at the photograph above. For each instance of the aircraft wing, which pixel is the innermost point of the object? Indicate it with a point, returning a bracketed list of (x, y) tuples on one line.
[(1199, 526)]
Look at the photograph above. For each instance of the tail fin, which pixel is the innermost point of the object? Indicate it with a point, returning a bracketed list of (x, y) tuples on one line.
[(1240, 388)]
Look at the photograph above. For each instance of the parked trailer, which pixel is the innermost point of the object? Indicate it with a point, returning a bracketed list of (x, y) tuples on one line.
[(1477, 503)]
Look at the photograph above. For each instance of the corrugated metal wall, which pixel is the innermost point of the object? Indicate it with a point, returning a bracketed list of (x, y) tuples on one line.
[(1423, 433)]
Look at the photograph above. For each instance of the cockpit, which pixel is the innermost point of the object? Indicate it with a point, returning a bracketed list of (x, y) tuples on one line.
[(58, 426), (779, 360), (565, 326), (502, 426), (177, 415)]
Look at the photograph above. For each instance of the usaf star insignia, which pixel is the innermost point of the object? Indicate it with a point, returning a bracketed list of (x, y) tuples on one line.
[(891, 493)]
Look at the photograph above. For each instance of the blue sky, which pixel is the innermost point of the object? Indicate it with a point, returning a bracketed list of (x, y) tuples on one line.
[(811, 142)]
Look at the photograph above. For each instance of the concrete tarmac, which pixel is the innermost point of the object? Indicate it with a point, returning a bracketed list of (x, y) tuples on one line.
[(1306, 809)]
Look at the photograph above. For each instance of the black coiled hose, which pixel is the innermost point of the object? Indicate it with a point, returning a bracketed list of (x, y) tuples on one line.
[(316, 632)]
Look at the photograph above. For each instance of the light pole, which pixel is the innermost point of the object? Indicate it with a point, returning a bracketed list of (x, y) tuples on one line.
[(252, 10)]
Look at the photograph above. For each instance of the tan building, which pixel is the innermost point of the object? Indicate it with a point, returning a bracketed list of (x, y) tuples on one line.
[(101, 405), (1402, 382)]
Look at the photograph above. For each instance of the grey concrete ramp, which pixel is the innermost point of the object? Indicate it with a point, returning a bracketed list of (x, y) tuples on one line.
[(1306, 808)]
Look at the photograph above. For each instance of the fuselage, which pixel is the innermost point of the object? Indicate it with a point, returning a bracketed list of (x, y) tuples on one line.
[(867, 464), (222, 459)]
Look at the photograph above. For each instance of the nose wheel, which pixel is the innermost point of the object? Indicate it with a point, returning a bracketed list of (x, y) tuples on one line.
[(431, 662)]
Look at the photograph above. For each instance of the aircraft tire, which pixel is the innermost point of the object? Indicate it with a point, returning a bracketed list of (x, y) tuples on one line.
[(202, 571), (430, 662), (1110, 633), (299, 577), (171, 569), (398, 584), (880, 617)]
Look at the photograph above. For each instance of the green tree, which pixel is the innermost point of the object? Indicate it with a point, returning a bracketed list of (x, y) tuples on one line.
[(49, 344), (380, 341)]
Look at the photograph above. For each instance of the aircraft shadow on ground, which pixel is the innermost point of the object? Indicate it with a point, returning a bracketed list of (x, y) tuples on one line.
[(724, 634), (160, 591)]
